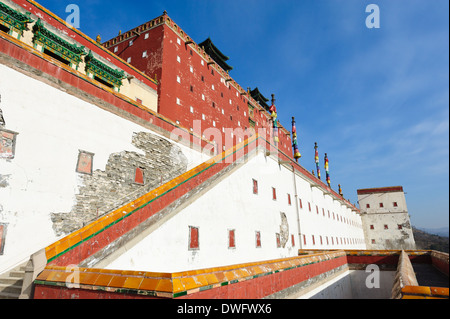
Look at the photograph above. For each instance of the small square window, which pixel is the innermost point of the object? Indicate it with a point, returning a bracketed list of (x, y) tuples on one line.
[(131, 43), (139, 176), (146, 36), (178, 41), (255, 186), (85, 162), (144, 54), (191, 109), (116, 49), (278, 240), (386, 227), (373, 241), (258, 239), (400, 226), (129, 60), (381, 205), (2, 238), (395, 204), (194, 242), (231, 239), (372, 227), (7, 144), (178, 59), (367, 205), (178, 79)]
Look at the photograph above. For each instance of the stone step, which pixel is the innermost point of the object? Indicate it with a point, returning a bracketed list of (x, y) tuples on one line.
[(11, 280), (17, 274), (11, 283), (8, 295), (12, 289)]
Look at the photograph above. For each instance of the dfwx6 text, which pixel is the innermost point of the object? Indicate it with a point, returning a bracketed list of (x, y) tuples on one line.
[(246, 308)]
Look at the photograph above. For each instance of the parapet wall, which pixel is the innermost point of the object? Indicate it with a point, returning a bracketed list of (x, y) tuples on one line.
[(406, 285), (245, 281)]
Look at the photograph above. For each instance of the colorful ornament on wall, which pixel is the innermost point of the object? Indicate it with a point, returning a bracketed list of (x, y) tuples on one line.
[(327, 170), (340, 191), (317, 160), (297, 154), (274, 115)]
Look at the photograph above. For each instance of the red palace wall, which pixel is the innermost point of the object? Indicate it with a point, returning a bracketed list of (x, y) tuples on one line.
[(190, 90)]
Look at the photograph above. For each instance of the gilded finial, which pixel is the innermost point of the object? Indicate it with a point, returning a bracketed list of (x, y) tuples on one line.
[(99, 39)]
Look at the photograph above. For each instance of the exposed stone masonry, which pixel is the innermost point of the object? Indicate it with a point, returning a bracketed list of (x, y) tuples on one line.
[(103, 191)]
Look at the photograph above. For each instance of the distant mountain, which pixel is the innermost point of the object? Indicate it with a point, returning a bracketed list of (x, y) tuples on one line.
[(427, 241), (443, 231)]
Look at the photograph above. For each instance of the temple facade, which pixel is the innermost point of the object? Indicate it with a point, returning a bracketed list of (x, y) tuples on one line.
[(142, 156)]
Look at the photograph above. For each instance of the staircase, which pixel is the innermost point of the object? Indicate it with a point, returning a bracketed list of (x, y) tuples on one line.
[(11, 283)]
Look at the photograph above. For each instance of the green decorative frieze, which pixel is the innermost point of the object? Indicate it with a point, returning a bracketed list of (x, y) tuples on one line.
[(104, 72), (14, 19), (57, 45)]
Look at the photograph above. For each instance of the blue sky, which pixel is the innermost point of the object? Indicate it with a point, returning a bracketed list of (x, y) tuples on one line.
[(375, 100)]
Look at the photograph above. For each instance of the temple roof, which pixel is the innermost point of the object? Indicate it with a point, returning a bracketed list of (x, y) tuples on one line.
[(216, 54), (261, 99)]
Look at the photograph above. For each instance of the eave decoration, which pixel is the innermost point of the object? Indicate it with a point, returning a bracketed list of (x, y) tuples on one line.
[(104, 72), (57, 45), (13, 19)]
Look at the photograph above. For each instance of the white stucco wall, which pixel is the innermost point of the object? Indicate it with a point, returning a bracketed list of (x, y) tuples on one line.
[(381, 224), (232, 205), (53, 126)]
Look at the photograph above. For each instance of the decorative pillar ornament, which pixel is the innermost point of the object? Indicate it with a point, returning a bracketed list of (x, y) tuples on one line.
[(317, 160), (297, 154), (327, 170), (273, 114), (340, 191)]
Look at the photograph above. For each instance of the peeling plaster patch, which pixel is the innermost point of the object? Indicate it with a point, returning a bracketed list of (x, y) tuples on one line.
[(284, 230), (4, 180), (104, 191)]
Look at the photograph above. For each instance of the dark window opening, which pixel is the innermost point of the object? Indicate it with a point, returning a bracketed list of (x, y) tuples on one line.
[(57, 57), (4, 28), (103, 82)]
